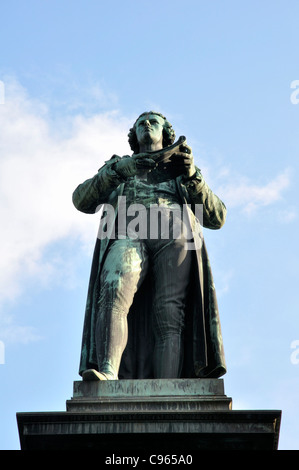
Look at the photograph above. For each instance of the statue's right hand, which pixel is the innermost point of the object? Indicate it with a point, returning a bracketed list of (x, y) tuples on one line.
[(143, 161), (129, 166)]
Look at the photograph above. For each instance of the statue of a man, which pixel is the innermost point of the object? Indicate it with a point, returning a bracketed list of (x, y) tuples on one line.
[(151, 307)]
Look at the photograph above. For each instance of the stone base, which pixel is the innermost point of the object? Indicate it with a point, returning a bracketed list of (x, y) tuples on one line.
[(176, 395), (147, 416)]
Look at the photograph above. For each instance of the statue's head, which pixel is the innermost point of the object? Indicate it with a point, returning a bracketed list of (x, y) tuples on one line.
[(168, 132)]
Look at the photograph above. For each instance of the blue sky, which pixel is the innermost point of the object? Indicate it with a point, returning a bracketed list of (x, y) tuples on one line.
[(75, 76)]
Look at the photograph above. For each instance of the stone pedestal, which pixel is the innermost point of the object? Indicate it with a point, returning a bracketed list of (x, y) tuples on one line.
[(150, 416), (168, 395)]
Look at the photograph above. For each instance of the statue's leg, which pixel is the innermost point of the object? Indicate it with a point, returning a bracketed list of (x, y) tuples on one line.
[(123, 272), (171, 269)]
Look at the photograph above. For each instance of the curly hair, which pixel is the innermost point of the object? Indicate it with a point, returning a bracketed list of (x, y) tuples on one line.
[(168, 133)]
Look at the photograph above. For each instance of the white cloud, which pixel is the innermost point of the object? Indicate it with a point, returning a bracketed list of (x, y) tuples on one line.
[(248, 196), (40, 166), (240, 192)]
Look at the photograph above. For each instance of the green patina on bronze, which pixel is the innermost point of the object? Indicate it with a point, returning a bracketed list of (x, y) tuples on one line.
[(142, 181)]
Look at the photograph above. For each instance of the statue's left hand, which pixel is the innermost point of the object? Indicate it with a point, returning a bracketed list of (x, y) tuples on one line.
[(184, 161)]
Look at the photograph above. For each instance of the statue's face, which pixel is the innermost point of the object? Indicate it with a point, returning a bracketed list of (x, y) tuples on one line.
[(149, 128)]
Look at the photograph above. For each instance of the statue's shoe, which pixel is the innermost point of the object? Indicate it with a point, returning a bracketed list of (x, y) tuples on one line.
[(92, 374)]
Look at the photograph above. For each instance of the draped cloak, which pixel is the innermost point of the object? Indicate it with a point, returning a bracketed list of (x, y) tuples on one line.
[(203, 344)]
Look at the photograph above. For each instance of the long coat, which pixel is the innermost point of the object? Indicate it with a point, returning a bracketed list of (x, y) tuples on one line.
[(203, 345)]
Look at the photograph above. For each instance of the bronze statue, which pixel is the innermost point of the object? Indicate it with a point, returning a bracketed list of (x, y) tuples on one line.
[(151, 308)]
